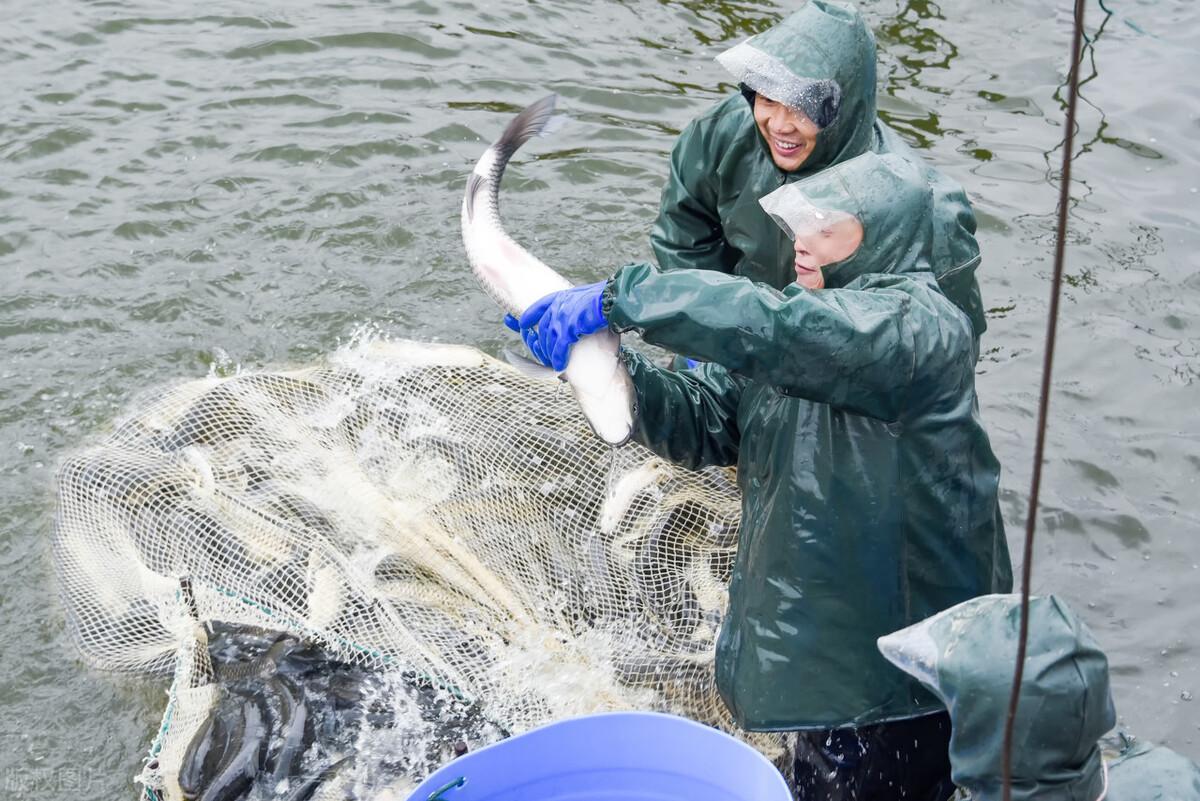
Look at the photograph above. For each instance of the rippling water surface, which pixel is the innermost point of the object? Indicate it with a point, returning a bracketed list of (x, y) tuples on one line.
[(248, 184)]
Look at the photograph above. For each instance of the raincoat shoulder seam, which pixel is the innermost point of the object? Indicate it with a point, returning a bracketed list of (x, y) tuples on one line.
[(907, 410), (966, 265)]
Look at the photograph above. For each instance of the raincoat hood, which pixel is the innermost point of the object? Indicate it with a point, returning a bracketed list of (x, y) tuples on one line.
[(966, 655), (889, 197), (821, 61)]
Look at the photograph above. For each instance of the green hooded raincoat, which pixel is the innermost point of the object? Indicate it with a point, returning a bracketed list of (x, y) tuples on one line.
[(709, 216), (967, 655), (869, 487)]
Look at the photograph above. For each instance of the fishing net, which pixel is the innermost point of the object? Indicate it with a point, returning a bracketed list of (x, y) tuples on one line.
[(420, 509)]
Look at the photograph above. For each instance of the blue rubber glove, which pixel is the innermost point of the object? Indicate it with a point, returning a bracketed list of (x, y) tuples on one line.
[(692, 364), (529, 335), (556, 322)]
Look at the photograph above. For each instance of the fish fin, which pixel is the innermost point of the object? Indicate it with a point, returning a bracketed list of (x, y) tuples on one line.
[(553, 125), (473, 185), (531, 122), (530, 368)]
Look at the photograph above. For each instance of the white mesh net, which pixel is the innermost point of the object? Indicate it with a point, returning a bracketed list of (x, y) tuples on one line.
[(416, 508)]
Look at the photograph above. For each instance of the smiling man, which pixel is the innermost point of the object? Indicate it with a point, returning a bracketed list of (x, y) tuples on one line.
[(806, 103), (789, 133)]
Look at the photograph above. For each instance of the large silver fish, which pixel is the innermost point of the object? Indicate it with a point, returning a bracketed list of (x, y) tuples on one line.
[(516, 278)]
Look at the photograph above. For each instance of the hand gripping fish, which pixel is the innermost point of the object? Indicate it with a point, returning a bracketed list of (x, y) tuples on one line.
[(516, 278)]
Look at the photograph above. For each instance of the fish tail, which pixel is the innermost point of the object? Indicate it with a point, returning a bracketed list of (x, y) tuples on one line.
[(532, 121), (526, 125)]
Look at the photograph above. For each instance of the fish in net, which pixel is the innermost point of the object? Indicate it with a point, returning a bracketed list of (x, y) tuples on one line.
[(411, 510)]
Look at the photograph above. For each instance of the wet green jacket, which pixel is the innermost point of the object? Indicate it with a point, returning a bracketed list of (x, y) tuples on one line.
[(869, 487), (709, 216), (967, 654)]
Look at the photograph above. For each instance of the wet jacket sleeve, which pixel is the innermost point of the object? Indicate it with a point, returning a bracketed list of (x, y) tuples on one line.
[(689, 417), (862, 348), (688, 233)]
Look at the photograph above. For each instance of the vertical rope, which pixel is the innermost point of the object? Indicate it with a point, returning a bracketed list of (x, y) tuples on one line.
[(1064, 198)]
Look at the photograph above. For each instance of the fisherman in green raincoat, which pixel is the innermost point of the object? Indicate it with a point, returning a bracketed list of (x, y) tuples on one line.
[(967, 655), (807, 102), (869, 488)]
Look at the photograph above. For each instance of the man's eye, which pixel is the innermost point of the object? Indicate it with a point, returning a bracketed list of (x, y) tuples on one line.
[(825, 232)]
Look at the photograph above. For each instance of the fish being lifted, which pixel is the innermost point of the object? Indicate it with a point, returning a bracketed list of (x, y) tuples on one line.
[(515, 278)]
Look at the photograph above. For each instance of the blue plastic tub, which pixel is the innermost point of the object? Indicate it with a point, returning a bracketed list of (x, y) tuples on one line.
[(620, 756)]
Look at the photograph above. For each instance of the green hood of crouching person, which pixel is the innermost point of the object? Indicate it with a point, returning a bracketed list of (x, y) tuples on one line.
[(869, 488), (1141, 771), (709, 216), (967, 655)]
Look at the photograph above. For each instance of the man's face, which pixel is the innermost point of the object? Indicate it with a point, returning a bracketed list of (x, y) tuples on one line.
[(819, 245), (789, 134)]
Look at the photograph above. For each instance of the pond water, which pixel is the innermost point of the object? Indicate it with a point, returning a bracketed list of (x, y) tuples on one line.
[(251, 184)]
